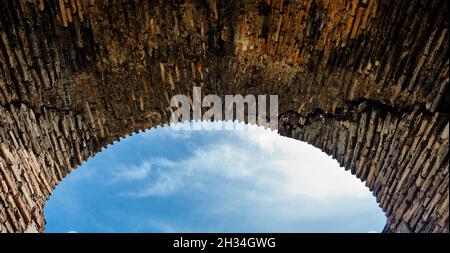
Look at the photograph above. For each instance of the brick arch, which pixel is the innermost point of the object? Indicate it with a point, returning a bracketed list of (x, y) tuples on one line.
[(365, 81)]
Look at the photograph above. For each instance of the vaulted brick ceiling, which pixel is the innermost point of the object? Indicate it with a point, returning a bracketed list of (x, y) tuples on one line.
[(366, 81)]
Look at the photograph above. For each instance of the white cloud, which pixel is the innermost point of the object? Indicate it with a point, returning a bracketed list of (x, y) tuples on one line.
[(131, 173), (276, 165), (165, 184)]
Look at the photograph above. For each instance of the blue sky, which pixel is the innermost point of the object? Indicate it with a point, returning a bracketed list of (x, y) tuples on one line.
[(166, 180)]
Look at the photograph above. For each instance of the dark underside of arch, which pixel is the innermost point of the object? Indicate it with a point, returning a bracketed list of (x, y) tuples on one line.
[(366, 81)]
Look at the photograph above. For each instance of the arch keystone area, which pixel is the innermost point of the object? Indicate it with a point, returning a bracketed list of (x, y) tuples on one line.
[(364, 81)]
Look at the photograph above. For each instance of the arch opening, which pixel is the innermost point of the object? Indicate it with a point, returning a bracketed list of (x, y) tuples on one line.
[(246, 180)]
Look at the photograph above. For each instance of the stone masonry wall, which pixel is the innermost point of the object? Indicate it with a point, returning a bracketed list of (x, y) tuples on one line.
[(366, 81)]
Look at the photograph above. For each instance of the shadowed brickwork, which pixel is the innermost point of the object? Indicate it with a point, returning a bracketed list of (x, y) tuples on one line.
[(366, 81)]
